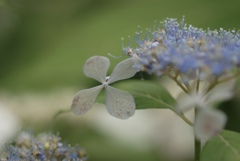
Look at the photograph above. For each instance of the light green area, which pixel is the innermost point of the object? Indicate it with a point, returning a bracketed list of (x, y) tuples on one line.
[(224, 147)]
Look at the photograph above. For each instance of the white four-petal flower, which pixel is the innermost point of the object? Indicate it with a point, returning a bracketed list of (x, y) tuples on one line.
[(209, 121), (119, 104)]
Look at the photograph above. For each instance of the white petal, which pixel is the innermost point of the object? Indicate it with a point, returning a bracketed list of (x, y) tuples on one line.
[(84, 100), (208, 123), (221, 92), (186, 102), (119, 104), (123, 70), (96, 67)]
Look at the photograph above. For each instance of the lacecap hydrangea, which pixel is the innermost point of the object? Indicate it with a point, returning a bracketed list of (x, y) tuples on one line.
[(203, 63), (183, 49)]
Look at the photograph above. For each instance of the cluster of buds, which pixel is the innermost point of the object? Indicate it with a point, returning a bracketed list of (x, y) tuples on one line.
[(45, 146), (177, 48)]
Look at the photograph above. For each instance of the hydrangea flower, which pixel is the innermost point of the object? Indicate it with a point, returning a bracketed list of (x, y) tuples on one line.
[(45, 146), (119, 104), (209, 121), (176, 47), (188, 55)]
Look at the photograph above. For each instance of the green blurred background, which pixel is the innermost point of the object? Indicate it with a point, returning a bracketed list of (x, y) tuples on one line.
[(43, 45)]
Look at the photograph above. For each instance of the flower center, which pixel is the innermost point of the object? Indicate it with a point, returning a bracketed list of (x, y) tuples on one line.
[(105, 84)]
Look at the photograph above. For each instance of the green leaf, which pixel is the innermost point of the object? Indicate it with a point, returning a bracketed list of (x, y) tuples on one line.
[(147, 94), (224, 147)]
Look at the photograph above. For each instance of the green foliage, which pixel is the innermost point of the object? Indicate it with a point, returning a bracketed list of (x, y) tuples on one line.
[(147, 94), (224, 147)]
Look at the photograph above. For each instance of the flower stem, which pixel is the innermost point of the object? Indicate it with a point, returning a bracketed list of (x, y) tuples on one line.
[(182, 116), (197, 143), (178, 83)]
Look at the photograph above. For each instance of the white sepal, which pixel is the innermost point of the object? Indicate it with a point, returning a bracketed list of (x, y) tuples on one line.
[(209, 122), (96, 67), (84, 100), (221, 92), (123, 70), (119, 104), (186, 102)]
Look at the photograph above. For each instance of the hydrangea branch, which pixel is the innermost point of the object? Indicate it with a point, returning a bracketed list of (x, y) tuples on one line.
[(201, 62)]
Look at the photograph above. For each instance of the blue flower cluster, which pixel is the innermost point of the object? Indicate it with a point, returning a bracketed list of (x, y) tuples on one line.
[(175, 47), (44, 147)]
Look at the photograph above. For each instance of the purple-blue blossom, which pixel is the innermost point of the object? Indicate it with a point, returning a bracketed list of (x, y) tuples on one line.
[(181, 48), (45, 146), (193, 57)]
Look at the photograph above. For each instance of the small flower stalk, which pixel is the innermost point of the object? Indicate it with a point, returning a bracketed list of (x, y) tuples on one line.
[(203, 63)]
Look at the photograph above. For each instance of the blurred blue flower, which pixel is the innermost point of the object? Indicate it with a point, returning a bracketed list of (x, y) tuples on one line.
[(45, 146)]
